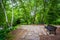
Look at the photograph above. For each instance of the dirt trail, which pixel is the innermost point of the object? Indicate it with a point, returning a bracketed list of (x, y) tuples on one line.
[(33, 32)]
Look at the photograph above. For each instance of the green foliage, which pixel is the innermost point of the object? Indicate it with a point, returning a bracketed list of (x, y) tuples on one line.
[(31, 11), (27, 12), (4, 32)]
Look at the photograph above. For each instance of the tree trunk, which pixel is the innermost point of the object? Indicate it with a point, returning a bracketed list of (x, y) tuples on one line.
[(12, 14), (4, 12)]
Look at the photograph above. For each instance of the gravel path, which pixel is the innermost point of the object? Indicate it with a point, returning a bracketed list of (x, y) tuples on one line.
[(33, 32)]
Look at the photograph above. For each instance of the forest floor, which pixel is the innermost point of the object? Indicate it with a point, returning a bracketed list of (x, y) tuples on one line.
[(34, 32)]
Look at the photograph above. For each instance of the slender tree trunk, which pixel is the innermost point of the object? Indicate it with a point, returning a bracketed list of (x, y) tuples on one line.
[(12, 14), (34, 14), (12, 17), (35, 10), (42, 15), (4, 12)]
